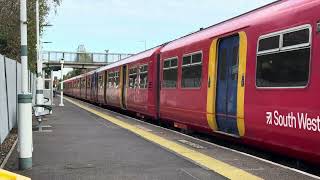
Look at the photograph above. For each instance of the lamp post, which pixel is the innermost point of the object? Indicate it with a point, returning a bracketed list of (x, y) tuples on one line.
[(39, 87), (40, 77), (25, 98), (61, 84)]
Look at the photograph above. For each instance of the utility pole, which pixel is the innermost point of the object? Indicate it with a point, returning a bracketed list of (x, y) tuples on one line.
[(39, 90), (25, 98)]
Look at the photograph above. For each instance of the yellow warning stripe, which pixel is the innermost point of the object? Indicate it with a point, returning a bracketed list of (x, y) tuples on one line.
[(241, 85), (212, 80), (6, 175), (203, 160)]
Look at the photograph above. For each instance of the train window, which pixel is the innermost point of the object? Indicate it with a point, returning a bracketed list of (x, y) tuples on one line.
[(166, 64), (192, 71), (143, 76), (296, 38), (186, 60), (89, 83), (288, 66), (223, 68), (235, 59), (100, 81), (116, 79), (270, 43), (83, 83), (170, 73), (133, 78), (110, 79)]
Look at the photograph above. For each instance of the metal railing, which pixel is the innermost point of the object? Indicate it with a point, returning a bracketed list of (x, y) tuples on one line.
[(82, 57)]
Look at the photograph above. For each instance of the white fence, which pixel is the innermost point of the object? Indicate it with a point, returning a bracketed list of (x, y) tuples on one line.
[(10, 86)]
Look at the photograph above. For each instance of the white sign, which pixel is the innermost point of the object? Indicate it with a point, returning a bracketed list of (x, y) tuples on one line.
[(293, 120)]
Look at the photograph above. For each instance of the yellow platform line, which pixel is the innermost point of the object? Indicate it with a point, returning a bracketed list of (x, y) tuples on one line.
[(201, 159), (6, 175)]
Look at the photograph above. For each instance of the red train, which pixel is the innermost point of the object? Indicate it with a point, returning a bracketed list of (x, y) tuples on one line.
[(254, 78)]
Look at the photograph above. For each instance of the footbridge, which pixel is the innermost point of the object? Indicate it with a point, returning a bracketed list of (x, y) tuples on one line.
[(80, 60)]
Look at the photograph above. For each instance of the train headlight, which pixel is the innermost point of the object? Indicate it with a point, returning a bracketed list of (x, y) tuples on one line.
[(318, 27)]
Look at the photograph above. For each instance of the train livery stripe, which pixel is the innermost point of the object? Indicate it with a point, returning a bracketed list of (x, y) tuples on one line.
[(212, 81), (241, 82), (201, 159)]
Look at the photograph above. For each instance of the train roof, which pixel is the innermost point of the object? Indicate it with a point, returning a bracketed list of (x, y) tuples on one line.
[(263, 13), (130, 59)]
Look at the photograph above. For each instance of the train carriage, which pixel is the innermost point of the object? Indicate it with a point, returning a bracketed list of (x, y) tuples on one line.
[(142, 84), (253, 78), (129, 84), (248, 71)]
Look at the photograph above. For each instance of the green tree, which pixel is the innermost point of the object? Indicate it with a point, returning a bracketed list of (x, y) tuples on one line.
[(73, 73), (10, 27)]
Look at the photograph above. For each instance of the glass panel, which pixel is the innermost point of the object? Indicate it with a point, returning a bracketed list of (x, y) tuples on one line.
[(100, 81), (174, 62), (223, 61), (166, 64), (116, 79), (144, 68), (196, 58), (170, 77), (143, 80), (133, 81), (235, 59), (191, 76), (295, 38), (285, 69), (269, 43), (186, 60)]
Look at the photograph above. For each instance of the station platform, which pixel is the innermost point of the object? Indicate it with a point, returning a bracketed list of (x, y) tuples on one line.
[(88, 142)]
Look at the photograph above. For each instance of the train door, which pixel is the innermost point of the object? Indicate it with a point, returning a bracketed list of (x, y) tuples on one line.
[(227, 82), (124, 86), (106, 86), (94, 88)]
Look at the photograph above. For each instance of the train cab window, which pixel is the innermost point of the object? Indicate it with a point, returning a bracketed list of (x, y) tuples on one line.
[(289, 65), (116, 79), (110, 79), (143, 76), (133, 78), (170, 73), (191, 71)]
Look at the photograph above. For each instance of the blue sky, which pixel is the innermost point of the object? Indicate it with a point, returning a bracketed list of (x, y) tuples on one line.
[(124, 25)]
